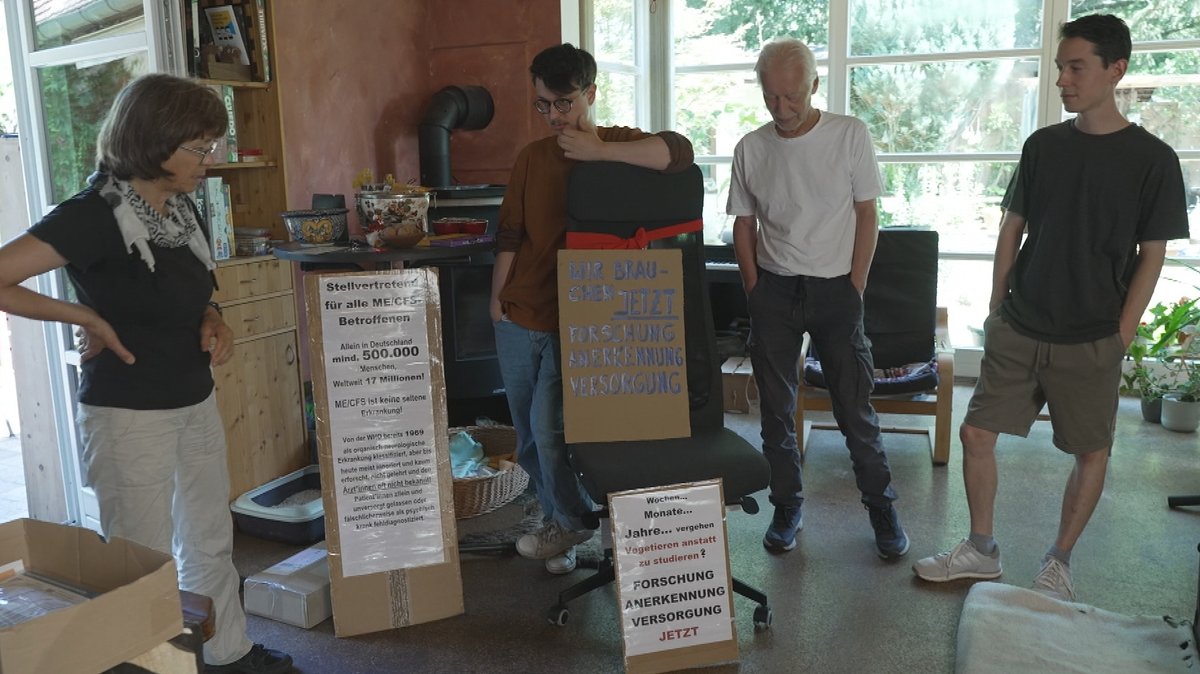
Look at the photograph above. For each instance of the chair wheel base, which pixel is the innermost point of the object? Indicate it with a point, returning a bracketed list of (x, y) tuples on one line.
[(558, 615), (763, 615)]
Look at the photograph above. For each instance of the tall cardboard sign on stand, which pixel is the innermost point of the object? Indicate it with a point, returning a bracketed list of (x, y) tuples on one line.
[(380, 398), (624, 361), (673, 580)]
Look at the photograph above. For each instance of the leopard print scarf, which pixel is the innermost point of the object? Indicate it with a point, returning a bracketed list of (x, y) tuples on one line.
[(140, 223)]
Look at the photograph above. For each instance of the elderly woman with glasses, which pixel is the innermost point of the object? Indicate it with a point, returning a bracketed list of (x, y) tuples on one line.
[(138, 256)]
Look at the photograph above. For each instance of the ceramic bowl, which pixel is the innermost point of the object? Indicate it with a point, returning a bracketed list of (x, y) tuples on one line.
[(382, 209), (320, 225)]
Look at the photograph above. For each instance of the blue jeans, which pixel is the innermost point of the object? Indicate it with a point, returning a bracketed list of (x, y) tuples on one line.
[(530, 365), (782, 309)]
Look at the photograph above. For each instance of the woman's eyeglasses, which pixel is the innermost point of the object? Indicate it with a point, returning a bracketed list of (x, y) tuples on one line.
[(206, 152)]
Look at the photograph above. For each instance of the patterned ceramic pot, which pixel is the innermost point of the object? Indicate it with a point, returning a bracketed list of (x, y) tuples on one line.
[(377, 210)]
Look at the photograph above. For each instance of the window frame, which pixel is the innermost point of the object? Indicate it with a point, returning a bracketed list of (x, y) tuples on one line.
[(161, 40), (658, 41)]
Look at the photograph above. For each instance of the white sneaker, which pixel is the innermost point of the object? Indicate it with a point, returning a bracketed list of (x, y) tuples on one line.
[(1054, 580), (560, 564), (550, 541), (963, 561)]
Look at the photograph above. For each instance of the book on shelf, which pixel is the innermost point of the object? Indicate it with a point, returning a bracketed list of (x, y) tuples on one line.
[(452, 240), (216, 211), (263, 53), (227, 35), (191, 36), (230, 225), (243, 59), (200, 199), (227, 147)]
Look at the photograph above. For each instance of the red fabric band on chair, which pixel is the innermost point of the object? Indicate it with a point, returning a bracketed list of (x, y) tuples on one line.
[(640, 239)]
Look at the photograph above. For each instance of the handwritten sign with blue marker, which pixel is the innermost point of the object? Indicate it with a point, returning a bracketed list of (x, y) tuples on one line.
[(624, 361)]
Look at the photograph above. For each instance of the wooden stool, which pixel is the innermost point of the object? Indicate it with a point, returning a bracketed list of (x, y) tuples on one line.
[(198, 613), (183, 654)]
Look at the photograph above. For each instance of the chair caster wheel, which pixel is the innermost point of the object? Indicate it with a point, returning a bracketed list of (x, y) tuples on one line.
[(558, 615), (762, 617)]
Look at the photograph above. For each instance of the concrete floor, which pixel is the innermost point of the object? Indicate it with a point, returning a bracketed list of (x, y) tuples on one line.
[(837, 606)]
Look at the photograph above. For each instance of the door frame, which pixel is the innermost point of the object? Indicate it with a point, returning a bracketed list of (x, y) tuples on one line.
[(50, 447)]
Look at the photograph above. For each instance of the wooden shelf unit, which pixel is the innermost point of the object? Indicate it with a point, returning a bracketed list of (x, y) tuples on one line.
[(258, 390), (258, 189)]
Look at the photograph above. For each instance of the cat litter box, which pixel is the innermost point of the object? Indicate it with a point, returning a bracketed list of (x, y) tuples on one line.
[(270, 512)]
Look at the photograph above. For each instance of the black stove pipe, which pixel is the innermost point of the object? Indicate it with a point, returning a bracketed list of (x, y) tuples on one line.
[(465, 107)]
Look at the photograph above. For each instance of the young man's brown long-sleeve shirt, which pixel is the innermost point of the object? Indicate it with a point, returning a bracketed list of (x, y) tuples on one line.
[(533, 220)]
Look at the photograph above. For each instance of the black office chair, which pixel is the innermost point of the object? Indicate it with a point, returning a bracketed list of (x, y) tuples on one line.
[(631, 203)]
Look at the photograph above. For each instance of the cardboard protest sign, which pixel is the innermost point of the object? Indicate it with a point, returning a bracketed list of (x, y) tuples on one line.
[(383, 446), (624, 361), (673, 579)]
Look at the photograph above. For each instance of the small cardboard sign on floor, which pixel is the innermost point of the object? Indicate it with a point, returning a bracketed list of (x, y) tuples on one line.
[(382, 441), (673, 580), (624, 361)]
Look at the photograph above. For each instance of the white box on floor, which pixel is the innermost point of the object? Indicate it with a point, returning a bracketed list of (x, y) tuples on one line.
[(737, 381), (294, 591)]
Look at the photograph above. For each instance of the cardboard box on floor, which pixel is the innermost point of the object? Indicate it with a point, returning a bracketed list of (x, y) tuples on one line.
[(294, 591), (137, 607), (737, 381), (377, 320)]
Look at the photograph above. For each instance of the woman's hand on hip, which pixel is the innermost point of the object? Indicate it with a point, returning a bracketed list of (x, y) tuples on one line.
[(215, 337), (97, 336)]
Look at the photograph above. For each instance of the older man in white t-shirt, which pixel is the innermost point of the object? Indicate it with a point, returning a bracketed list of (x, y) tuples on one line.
[(803, 193)]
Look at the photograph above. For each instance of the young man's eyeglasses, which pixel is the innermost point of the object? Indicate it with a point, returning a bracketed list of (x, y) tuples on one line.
[(204, 152), (563, 105)]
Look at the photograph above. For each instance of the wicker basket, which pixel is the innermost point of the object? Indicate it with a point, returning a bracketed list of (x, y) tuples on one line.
[(478, 495)]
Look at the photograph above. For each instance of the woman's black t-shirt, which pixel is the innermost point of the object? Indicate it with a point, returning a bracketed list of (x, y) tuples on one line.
[(156, 314)]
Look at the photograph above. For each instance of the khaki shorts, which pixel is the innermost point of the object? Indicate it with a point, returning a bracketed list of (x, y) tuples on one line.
[(1079, 383)]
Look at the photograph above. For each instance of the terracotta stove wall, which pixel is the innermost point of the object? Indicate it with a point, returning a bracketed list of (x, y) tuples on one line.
[(354, 79)]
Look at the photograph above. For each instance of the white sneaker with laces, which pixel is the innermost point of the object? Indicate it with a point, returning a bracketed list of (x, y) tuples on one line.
[(962, 561), (551, 540), (560, 564), (1054, 580)]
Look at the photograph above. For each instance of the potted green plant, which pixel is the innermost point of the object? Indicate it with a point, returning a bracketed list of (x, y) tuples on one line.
[(1141, 381), (1157, 339), (1181, 404)]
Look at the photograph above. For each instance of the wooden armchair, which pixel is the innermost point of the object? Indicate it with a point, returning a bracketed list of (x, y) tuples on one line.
[(909, 339)]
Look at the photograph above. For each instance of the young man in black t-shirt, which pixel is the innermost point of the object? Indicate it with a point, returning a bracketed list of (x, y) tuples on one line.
[(1096, 199)]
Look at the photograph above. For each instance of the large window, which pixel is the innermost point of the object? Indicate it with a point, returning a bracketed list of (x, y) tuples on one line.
[(70, 58), (950, 91)]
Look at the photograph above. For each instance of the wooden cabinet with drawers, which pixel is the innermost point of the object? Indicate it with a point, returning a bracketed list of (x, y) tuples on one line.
[(258, 390)]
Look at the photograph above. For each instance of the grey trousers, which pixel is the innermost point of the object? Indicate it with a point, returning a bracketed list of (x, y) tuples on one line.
[(782, 309), (161, 479)]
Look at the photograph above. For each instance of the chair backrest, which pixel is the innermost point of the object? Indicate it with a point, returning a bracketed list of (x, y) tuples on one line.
[(900, 305), (619, 199)]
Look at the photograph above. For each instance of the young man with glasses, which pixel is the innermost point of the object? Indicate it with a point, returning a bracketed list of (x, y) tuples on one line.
[(524, 304)]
